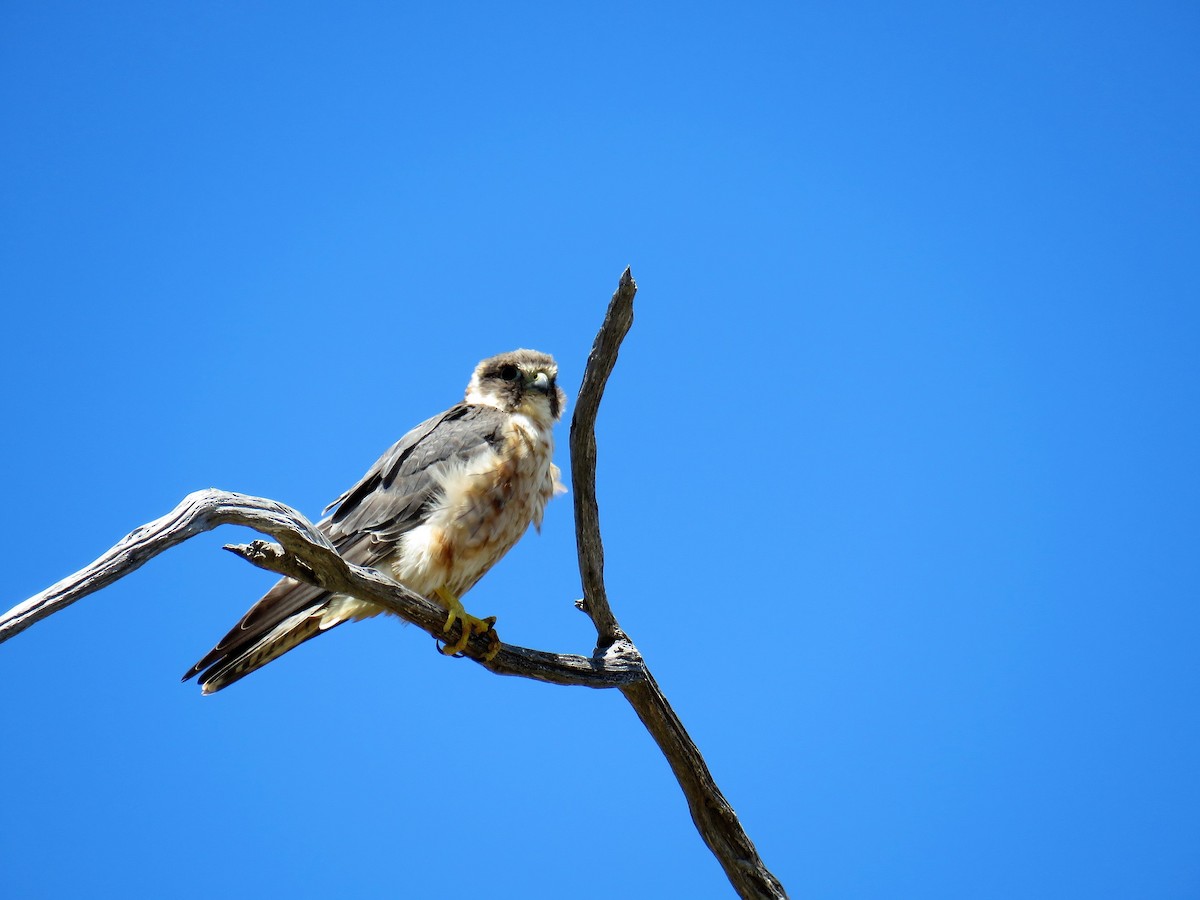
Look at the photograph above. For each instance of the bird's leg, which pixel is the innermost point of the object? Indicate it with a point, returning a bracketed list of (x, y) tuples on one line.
[(470, 625)]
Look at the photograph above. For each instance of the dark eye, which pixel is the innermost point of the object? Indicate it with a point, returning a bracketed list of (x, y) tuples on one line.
[(509, 372)]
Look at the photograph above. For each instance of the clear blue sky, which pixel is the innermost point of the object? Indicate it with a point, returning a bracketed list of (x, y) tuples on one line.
[(900, 467)]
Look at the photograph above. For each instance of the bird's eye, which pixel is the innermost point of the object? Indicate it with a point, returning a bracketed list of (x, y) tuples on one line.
[(509, 372)]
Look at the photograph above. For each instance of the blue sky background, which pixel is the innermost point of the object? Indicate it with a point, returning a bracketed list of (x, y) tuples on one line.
[(898, 469)]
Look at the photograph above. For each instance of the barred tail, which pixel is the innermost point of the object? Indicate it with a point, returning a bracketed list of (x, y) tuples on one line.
[(288, 635)]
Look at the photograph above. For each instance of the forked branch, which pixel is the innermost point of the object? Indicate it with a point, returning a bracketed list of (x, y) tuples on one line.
[(304, 553), (715, 819)]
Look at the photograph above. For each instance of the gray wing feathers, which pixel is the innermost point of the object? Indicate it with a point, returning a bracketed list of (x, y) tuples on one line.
[(369, 518), (391, 498)]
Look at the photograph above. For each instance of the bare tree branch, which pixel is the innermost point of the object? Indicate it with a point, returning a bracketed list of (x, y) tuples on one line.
[(715, 819), (304, 553), (601, 360)]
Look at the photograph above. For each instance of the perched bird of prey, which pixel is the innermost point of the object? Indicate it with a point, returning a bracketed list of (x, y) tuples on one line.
[(435, 512)]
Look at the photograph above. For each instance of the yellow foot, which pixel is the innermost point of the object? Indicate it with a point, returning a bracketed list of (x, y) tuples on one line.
[(470, 625)]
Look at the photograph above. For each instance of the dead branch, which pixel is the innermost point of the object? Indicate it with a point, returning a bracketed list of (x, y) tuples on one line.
[(305, 554), (715, 819)]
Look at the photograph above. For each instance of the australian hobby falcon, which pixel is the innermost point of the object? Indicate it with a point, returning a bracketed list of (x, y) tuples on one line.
[(435, 512)]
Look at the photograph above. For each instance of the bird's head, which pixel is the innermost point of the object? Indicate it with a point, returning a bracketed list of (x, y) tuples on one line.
[(520, 381)]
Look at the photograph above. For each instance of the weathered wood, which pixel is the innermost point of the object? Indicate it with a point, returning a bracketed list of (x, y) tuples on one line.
[(307, 555), (304, 553), (326, 569), (715, 819), (601, 361)]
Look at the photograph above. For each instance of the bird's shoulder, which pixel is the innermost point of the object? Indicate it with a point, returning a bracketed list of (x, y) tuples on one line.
[(389, 497)]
